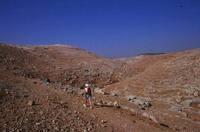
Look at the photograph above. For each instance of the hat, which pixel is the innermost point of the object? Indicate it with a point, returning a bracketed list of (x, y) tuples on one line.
[(87, 85)]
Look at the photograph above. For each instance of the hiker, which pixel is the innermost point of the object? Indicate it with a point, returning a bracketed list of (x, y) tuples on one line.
[(88, 96)]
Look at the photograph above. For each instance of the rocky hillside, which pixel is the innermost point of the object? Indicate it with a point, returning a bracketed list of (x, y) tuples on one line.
[(40, 90), (60, 63)]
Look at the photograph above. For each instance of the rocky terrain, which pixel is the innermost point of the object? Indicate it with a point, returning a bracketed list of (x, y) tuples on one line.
[(41, 90)]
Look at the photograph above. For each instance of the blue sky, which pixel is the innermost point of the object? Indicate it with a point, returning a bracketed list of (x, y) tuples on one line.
[(112, 28)]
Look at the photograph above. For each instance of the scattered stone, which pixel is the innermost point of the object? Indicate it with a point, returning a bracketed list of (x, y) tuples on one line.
[(70, 90), (103, 121), (31, 103), (116, 104), (142, 103), (37, 123), (65, 89), (41, 112), (187, 103), (109, 103), (152, 91), (131, 97), (145, 105), (56, 128), (185, 114), (114, 94), (99, 91), (53, 121), (189, 89), (47, 81), (179, 99), (176, 108), (90, 128), (191, 102), (196, 94)]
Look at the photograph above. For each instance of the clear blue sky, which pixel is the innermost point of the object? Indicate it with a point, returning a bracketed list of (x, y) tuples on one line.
[(106, 27)]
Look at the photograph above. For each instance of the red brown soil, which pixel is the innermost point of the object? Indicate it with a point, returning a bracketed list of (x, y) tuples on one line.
[(160, 79)]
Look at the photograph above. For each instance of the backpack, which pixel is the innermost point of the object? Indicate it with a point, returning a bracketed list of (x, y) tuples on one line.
[(88, 91)]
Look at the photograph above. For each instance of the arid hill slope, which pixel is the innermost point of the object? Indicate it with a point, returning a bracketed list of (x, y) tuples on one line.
[(40, 90), (60, 63)]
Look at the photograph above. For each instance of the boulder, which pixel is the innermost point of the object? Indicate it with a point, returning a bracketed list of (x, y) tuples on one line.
[(99, 91), (109, 103), (47, 81), (116, 104), (131, 97), (189, 102), (186, 103), (103, 121), (142, 103), (176, 108), (31, 103), (139, 101), (114, 94)]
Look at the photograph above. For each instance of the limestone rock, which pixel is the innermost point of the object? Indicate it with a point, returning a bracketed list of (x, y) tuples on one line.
[(31, 103)]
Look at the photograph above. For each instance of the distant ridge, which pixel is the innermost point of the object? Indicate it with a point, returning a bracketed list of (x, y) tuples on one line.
[(151, 53)]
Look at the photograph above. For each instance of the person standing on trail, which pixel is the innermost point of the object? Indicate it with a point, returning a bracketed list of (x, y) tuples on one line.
[(88, 96)]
